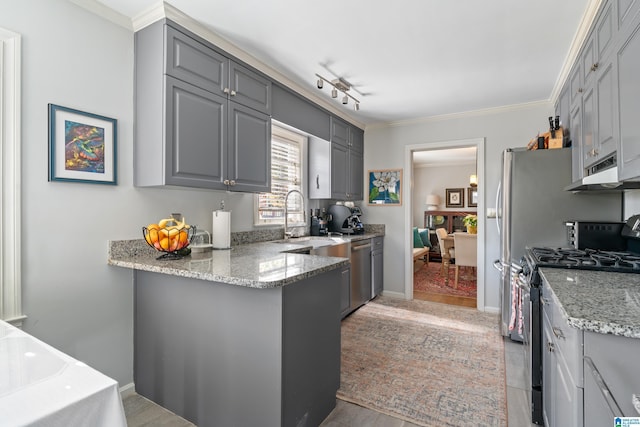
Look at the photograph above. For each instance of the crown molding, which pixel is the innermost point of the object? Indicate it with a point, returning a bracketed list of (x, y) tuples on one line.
[(165, 10), (578, 40)]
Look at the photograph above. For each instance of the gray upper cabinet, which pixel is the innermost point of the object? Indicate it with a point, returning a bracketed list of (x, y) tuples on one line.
[(292, 109), (196, 156), (347, 144), (336, 167), (248, 132), (201, 119), (603, 93), (194, 62), (628, 58)]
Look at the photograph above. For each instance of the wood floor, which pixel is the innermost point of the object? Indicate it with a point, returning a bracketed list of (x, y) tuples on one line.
[(445, 299)]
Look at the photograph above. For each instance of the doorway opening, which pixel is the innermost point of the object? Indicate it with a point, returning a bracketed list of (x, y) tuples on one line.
[(444, 169), (438, 176)]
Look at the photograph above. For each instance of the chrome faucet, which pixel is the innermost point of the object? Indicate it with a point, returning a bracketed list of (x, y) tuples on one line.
[(288, 233)]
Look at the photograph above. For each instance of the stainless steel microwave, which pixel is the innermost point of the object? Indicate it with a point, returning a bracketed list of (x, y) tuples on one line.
[(600, 235)]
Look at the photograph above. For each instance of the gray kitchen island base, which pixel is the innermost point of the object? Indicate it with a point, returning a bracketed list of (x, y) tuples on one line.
[(230, 355)]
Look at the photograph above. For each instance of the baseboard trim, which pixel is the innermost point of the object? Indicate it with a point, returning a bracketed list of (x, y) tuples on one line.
[(127, 390), (494, 310), (392, 294)]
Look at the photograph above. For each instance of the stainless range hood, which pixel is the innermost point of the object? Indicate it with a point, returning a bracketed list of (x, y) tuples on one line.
[(603, 177)]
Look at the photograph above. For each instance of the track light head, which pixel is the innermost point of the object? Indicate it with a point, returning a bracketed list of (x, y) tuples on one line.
[(338, 86)]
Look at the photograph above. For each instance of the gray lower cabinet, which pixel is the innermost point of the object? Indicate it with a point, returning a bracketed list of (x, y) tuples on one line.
[(226, 355), (345, 292), (562, 382), (611, 377), (377, 266), (202, 120)]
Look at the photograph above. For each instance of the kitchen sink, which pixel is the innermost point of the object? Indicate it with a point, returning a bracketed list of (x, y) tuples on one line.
[(313, 241)]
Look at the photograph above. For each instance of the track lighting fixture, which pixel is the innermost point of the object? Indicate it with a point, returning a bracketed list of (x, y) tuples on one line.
[(341, 85)]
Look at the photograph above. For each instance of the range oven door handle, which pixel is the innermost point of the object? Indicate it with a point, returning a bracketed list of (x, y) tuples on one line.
[(604, 389)]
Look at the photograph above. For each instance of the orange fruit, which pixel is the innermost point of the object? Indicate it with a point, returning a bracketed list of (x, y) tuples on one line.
[(165, 244), (182, 238)]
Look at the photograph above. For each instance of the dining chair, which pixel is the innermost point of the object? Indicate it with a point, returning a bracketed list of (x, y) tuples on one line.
[(466, 252), (447, 251)]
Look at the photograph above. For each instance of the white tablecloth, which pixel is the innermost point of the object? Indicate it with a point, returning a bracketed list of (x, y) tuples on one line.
[(41, 386)]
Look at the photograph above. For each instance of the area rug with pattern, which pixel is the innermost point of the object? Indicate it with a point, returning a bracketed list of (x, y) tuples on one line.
[(428, 363), (429, 278)]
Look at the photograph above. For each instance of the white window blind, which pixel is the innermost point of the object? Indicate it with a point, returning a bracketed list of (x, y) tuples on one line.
[(286, 171)]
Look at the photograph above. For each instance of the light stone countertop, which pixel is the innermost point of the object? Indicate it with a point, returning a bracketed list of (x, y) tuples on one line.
[(607, 303), (255, 265)]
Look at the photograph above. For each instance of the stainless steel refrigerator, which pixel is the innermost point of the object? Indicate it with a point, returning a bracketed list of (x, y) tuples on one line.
[(532, 208)]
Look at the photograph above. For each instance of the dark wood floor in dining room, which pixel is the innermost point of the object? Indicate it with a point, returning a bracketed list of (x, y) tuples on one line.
[(442, 298)]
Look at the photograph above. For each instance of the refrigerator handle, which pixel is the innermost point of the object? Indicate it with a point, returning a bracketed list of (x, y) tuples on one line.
[(498, 210)]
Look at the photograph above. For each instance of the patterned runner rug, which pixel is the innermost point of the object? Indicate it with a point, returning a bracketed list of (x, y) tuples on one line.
[(428, 363), (428, 278)]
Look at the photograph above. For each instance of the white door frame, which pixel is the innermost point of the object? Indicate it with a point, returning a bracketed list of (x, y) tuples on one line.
[(479, 143)]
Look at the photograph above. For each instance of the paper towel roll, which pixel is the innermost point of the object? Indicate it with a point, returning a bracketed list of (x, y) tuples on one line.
[(221, 230)]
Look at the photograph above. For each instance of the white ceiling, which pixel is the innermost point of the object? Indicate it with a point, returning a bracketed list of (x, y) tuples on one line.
[(406, 59)]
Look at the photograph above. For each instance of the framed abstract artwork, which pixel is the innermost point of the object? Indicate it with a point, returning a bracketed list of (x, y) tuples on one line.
[(82, 146), (455, 197), (385, 187)]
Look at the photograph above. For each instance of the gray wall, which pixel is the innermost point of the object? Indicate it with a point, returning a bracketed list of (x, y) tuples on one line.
[(73, 300), (435, 179), (501, 128)]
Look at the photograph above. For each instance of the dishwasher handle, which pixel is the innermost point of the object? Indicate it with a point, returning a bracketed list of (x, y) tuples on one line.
[(604, 389), (360, 247)]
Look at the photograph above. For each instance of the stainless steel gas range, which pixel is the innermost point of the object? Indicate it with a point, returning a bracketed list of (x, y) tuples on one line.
[(527, 282)]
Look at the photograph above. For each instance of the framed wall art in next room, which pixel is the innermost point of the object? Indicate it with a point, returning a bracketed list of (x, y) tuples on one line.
[(472, 197), (455, 197), (385, 187), (82, 146)]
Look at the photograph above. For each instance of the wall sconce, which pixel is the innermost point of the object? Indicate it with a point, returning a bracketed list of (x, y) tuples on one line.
[(341, 85), (473, 180), (433, 201)]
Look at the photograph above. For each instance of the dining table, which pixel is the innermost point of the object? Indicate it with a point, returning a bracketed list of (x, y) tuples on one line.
[(42, 386)]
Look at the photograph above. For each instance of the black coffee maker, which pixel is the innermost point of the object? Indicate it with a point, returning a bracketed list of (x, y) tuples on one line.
[(345, 219)]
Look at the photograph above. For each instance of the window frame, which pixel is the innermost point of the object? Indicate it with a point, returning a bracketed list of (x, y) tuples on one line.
[(284, 131), (10, 170)]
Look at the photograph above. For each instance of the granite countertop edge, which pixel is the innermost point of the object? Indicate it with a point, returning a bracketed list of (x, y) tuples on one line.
[(585, 300), (137, 255)]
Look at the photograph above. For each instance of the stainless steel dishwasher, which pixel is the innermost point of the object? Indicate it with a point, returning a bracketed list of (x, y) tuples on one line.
[(360, 272)]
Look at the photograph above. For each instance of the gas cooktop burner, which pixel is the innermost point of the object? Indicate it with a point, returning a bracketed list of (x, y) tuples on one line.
[(591, 259)]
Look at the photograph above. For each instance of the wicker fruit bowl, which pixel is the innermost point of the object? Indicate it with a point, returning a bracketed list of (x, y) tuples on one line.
[(170, 237)]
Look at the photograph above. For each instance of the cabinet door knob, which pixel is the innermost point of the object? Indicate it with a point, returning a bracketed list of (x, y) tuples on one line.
[(225, 182), (594, 67), (232, 182), (233, 93), (225, 90), (550, 347), (579, 90)]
